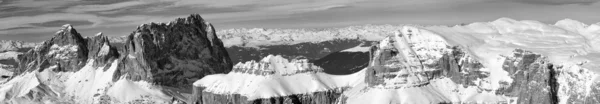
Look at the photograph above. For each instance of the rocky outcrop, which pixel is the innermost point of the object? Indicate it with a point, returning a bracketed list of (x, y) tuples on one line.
[(157, 55), (272, 64), (174, 54), (405, 59), (67, 50), (272, 80), (458, 66), (101, 49), (324, 97), (534, 78)]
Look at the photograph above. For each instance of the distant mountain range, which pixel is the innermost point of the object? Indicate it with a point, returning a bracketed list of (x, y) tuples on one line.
[(187, 61)]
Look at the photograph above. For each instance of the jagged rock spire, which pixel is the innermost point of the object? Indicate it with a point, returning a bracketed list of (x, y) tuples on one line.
[(187, 47), (68, 50)]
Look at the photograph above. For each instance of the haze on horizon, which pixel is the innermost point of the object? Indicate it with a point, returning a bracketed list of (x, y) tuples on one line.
[(38, 20)]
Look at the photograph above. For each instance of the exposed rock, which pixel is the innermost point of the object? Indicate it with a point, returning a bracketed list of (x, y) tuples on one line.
[(67, 49), (405, 59), (166, 56), (324, 97), (274, 79), (101, 50), (534, 78), (174, 54), (460, 67)]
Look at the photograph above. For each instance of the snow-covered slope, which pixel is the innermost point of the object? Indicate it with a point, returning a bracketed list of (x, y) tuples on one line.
[(566, 42), (416, 67), (90, 84), (275, 76), (480, 62)]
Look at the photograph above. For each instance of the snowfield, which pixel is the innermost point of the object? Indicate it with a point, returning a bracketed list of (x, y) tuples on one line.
[(572, 45), (254, 86), (90, 84)]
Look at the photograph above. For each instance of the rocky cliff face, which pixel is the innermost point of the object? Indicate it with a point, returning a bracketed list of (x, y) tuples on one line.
[(272, 80), (156, 63), (534, 78), (174, 54), (68, 50), (324, 97)]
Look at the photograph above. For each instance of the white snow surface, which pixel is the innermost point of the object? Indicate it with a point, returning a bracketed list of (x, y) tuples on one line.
[(4, 72), (358, 48), (255, 86), (567, 42), (441, 90), (87, 85), (9, 55)]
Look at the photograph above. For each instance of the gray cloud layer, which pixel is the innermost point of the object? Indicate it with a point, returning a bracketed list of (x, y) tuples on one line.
[(558, 2), (25, 19)]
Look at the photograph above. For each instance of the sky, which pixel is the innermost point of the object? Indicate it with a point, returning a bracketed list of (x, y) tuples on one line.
[(38, 20)]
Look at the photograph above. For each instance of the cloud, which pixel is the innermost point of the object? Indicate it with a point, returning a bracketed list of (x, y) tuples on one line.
[(108, 7), (41, 4), (33, 24), (119, 17), (558, 2)]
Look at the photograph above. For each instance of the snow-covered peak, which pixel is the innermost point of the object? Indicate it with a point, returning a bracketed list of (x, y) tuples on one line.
[(66, 28), (504, 20), (98, 34), (401, 59), (411, 41)]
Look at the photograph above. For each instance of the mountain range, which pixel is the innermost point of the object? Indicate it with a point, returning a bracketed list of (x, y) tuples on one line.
[(188, 61)]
